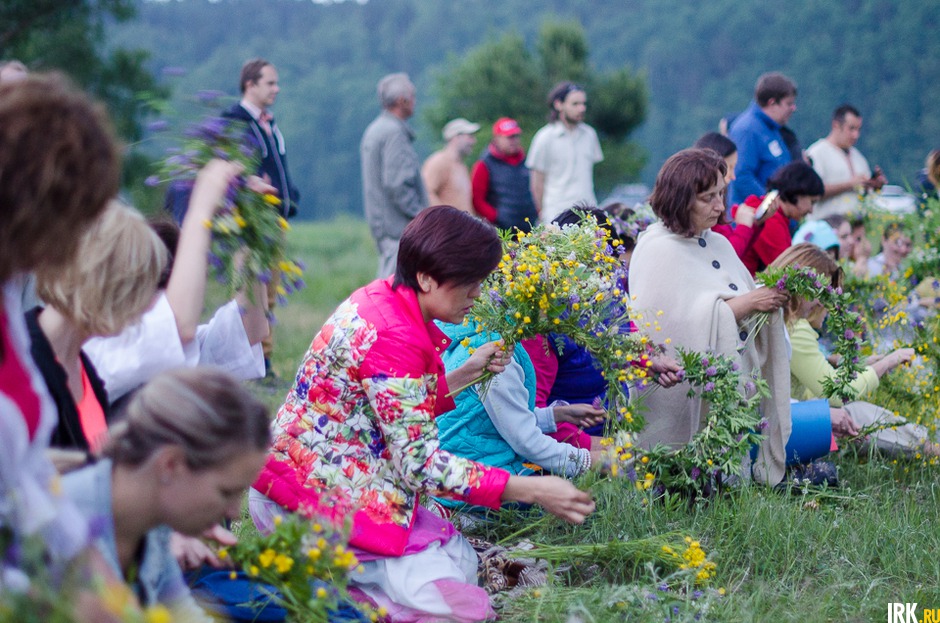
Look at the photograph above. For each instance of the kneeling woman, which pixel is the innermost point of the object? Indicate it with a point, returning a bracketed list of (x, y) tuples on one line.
[(707, 298), (191, 444), (505, 428), (809, 368), (356, 437)]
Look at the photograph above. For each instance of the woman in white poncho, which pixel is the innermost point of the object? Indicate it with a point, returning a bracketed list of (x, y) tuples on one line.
[(707, 297)]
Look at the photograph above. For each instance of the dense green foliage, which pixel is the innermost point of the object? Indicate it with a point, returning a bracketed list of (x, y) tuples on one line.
[(700, 61), (69, 36), (517, 82)]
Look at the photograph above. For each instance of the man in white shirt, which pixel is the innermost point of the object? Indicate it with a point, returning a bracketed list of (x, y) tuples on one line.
[(563, 154), (842, 167)]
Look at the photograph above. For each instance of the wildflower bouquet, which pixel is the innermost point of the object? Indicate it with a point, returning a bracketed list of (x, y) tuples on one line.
[(569, 280), (670, 551), (845, 324), (308, 563), (32, 591), (248, 234), (732, 427)]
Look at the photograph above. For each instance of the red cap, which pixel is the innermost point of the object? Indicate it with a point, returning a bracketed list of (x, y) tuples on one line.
[(506, 127)]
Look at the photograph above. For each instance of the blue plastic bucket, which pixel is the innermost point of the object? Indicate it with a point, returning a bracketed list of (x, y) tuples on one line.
[(811, 435)]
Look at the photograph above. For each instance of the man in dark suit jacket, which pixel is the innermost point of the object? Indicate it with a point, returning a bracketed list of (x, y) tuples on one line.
[(259, 87)]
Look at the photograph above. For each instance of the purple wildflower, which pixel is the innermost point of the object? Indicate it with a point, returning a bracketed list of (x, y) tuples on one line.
[(597, 403), (210, 130), (711, 371), (709, 386), (849, 334), (214, 260), (705, 361), (734, 366), (781, 284), (763, 424), (159, 125), (749, 387), (207, 96), (152, 181), (695, 473)]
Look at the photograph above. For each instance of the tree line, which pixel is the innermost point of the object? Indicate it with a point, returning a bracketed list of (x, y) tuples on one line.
[(660, 72)]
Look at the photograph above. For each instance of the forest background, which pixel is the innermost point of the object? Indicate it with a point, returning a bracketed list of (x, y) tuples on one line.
[(681, 66)]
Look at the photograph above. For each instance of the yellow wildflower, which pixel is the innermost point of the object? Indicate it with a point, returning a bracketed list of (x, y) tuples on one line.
[(158, 614), (266, 558), (283, 563)]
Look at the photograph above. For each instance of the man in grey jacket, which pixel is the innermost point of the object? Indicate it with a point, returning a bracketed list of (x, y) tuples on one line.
[(392, 190)]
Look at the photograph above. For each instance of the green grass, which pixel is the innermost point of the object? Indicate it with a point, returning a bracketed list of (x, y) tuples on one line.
[(825, 556)]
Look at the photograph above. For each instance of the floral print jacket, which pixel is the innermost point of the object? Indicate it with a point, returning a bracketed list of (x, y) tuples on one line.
[(356, 437)]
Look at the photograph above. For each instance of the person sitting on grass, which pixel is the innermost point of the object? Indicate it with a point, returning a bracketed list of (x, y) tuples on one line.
[(896, 245), (106, 289), (169, 334), (505, 428), (60, 164), (799, 188), (191, 444), (708, 298), (356, 439), (809, 367)]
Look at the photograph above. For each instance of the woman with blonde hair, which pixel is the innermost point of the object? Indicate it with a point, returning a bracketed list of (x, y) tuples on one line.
[(109, 286), (191, 444), (809, 367)]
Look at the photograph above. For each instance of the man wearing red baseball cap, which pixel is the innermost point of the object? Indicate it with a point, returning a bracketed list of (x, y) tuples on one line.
[(500, 180)]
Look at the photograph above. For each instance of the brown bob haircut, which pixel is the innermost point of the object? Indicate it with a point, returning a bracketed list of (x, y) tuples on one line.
[(251, 72), (59, 166), (684, 175), (807, 255), (448, 245)]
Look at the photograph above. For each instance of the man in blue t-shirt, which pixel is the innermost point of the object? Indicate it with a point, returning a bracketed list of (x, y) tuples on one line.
[(758, 134)]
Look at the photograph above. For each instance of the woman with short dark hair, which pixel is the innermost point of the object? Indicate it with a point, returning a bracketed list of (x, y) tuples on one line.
[(356, 438), (692, 274)]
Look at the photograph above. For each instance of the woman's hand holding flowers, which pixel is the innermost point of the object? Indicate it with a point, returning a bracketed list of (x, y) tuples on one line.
[(842, 423), (668, 371), (757, 300), (492, 357)]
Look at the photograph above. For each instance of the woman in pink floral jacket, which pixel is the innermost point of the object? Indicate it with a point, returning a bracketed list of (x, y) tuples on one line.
[(356, 437)]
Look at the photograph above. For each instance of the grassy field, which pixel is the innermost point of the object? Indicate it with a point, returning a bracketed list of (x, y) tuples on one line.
[(836, 555)]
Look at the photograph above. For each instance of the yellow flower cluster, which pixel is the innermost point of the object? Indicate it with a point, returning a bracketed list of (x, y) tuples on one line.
[(308, 563), (692, 557)]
